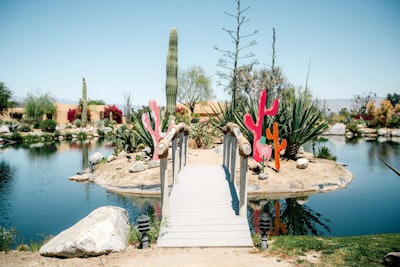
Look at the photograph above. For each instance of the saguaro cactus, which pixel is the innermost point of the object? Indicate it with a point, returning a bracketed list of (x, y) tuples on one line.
[(84, 104), (172, 71)]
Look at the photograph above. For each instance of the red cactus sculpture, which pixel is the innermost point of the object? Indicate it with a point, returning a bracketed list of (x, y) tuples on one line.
[(156, 133), (256, 127)]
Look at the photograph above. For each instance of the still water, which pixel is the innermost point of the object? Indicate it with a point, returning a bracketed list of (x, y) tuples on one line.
[(37, 198), (370, 204)]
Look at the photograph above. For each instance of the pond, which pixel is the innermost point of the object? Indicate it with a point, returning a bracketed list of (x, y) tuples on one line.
[(369, 205), (38, 200)]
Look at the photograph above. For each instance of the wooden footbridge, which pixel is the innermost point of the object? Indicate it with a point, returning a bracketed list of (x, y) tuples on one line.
[(203, 208)]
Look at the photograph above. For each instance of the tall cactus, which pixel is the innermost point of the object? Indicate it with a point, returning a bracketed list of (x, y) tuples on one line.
[(84, 104), (172, 71)]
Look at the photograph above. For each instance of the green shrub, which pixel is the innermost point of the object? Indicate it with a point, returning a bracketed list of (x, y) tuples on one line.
[(16, 137), (325, 153), (24, 128), (394, 121), (36, 125), (78, 123), (82, 135), (48, 126), (6, 238)]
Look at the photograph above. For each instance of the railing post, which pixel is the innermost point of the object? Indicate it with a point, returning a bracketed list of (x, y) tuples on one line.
[(243, 187), (175, 160), (162, 150), (224, 131), (181, 152), (233, 157), (186, 141), (228, 151)]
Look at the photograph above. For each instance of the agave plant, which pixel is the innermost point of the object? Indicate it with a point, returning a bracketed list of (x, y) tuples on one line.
[(301, 121)]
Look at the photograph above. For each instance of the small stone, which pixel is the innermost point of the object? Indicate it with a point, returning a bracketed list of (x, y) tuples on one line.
[(111, 158), (153, 164), (138, 167), (263, 176), (301, 150), (302, 163), (147, 150)]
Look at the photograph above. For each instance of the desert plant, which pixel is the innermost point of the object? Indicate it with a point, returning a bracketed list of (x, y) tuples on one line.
[(84, 103), (48, 125), (77, 122), (7, 237), (301, 121), (203, 134), (24, 128), (37, 106), (171, 84), (124, 140), (82, 135), (325, 153)]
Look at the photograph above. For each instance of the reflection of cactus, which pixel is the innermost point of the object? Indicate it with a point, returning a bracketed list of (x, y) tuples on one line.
[(84, 104), (172, 71)]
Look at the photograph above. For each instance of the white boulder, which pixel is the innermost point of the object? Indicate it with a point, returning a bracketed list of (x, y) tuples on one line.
[(95, 158), (103, 231)]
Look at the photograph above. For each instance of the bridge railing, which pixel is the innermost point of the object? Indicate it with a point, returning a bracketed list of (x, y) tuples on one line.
[(177, 133), (234, 139)]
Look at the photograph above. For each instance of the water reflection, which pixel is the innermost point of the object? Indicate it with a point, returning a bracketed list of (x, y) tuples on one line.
[(6, 184), (291, 216)]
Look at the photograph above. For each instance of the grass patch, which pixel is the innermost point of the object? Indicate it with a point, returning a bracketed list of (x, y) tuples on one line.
[(338, 251)]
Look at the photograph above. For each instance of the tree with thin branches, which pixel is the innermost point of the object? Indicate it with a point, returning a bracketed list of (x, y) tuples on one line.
[(5, 98), (194, 87), (230, 60)]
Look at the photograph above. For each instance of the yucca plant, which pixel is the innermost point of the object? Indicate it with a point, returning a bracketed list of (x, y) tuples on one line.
[(301, 121), (325, 153)]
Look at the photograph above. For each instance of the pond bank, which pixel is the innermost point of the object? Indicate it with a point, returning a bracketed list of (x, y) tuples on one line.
[(320, 176)]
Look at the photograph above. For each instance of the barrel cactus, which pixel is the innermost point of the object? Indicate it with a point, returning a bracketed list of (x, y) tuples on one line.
[(84, 104), (172, 71)]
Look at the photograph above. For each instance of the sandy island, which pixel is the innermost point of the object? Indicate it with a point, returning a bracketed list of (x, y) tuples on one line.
[(320, 176)]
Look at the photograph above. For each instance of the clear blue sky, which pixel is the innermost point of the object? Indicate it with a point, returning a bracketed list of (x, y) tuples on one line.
[(121, 46)]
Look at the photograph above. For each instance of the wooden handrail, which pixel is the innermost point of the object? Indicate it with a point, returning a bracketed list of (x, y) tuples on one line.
[(234, 138), (181, 132)]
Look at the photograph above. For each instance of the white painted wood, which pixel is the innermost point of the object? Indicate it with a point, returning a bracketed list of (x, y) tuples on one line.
[(201, 212)]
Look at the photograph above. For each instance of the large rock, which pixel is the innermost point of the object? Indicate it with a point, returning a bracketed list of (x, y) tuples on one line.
[(392, 259), (103, 231), (95, 158), (383, 132), (336, 129), (395, 133)]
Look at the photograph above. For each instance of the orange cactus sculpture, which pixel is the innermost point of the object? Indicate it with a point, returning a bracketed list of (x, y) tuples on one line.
[(278, 147)]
